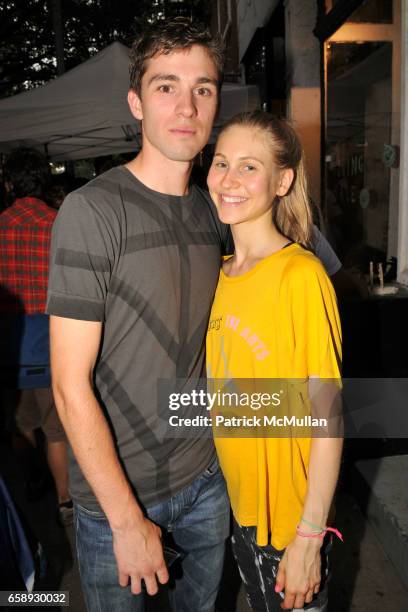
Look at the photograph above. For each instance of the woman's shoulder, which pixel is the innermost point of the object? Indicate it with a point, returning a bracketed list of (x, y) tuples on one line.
[(303, 265), (303, 259)]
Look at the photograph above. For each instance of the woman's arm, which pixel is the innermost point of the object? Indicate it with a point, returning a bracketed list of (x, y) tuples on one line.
[(318, 349), (299, 571)]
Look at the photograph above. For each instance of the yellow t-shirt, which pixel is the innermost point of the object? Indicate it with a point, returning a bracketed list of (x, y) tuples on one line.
[(277, 321)]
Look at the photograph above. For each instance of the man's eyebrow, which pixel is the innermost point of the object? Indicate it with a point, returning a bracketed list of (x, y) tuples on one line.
[(173, 77), (163, 77), (204, 80)]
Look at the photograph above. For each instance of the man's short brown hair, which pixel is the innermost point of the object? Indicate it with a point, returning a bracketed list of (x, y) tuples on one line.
[(165, 37)]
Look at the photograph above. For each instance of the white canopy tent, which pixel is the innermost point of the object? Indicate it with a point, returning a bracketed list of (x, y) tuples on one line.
[(84, 113)]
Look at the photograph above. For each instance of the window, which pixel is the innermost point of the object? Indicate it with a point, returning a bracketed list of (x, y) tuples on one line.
[(371, 11), (363, 78)]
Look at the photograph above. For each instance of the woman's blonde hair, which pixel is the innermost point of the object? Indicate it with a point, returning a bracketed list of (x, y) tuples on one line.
[(291, 212)]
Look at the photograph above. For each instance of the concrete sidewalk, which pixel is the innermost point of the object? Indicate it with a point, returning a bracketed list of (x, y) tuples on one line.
[(363, 577), (381, 487)]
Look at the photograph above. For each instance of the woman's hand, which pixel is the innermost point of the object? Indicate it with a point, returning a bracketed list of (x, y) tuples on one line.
[(299, 572)]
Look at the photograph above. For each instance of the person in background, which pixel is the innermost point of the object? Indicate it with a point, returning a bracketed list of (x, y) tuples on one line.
[(57, 190), (277, 320), (25, 235)]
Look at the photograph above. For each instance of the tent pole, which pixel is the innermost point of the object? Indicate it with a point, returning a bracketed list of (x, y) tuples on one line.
[(3, 195)]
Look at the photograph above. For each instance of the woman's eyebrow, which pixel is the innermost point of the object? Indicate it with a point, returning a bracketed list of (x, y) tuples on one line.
[(249, 157), (244, 158)]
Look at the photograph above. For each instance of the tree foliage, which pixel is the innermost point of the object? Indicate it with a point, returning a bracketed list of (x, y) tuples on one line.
[(27, 44)]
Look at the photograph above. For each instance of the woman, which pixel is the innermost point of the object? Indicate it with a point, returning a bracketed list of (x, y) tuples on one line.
[(277, 319)]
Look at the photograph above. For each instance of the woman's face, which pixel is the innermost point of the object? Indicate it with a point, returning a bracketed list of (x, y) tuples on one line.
[(243, 179)]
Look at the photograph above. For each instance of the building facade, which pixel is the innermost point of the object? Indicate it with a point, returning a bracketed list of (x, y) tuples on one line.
[(337, 69)]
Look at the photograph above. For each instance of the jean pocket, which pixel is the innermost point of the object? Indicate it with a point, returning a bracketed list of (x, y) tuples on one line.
[(95, 514), (212, 469)]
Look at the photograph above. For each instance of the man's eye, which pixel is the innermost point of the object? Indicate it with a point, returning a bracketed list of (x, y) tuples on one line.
[(165, 88), (203, 91)]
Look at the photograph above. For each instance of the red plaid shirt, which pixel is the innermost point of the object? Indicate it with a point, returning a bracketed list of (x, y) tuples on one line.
[(25, 235)]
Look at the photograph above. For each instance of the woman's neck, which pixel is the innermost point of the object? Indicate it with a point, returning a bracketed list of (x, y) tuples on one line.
[(254, 241)]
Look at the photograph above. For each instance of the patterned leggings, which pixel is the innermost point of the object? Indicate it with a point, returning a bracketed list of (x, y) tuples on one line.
[(258, 566)]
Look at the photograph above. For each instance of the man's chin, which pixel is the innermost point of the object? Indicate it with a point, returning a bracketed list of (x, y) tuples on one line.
[(183, 151), (183, 156)]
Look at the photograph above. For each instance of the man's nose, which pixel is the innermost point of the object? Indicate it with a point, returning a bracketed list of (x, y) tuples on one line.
[(186, 104)]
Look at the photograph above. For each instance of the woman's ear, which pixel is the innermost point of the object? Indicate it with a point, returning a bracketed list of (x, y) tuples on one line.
[(135, 104), (285, 181)]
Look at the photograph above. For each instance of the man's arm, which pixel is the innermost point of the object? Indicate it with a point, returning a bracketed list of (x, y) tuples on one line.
[(136, 540), (325, 253), (345, 283)]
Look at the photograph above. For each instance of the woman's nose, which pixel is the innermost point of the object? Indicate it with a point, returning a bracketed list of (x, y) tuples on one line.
[(230, 179)]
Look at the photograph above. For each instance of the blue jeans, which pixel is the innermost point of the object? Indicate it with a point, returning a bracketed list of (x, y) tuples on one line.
[(197, 520)]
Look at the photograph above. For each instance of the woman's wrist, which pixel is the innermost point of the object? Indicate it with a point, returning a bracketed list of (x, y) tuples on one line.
[(308, 525), (317, 534), (307, 543)]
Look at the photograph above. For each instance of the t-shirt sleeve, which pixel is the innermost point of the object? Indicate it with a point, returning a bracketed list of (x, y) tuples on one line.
[(316, 323), (325, 253), (83, 250)]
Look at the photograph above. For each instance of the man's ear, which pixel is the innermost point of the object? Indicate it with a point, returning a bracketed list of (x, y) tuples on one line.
[(135, 104), (285, 181)]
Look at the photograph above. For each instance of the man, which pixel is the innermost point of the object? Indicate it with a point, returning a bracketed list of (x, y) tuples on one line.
[(135, 264), (25, 235)]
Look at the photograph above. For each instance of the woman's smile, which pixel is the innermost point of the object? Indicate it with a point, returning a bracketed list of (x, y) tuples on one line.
[(231, 200)]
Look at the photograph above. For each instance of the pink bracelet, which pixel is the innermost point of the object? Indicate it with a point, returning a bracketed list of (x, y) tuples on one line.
[(320, 534)]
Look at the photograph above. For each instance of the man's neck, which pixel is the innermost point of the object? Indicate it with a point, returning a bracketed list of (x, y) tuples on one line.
[(162, 175)]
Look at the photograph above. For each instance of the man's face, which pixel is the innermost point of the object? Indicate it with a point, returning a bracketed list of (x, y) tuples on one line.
[(178, 103)]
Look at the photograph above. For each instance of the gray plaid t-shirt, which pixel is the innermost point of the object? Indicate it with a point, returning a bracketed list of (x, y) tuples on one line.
[(146, 265)]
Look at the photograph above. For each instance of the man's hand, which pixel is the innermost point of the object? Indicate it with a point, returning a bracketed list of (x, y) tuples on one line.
[(299, 572), (139, 556)]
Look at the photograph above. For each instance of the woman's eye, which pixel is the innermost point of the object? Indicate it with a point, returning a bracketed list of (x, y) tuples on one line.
[(249, 167), (220, 165)]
